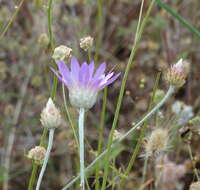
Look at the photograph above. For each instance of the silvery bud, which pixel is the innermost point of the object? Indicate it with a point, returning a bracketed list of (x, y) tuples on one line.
[(50, 116), (37, 154), (86, 43), (62, 53)]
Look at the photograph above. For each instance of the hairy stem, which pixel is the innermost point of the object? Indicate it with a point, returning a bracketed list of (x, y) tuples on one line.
[(81, 149), (46, 158)]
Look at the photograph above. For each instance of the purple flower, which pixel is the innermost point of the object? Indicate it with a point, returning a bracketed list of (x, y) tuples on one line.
[(83, 82)]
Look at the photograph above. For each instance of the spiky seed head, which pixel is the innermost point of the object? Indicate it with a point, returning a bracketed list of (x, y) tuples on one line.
[(62, 53), (37, 154), (50, 116), (86, 43), (195, 186), (176, 74), (157, 142)]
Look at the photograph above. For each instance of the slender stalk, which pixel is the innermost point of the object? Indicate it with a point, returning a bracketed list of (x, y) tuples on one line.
[(46, 158), (33, 176), (69, 116), (81, 149), (101, 136), (49, 14), (12, 19), (147, 116), (99, 31), (121, 94)]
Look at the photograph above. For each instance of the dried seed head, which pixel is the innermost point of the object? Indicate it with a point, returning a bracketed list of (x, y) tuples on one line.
[(86, 43), (50, 116), (37, 154), (195, 186), (43, 40), (177, 73), (62, 53), (157, 142)]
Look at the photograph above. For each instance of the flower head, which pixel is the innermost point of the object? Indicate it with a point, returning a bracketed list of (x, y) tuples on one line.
[(83, 83), (177, 73), (50, 116), (86, 43), (37, 154), (62, 53)]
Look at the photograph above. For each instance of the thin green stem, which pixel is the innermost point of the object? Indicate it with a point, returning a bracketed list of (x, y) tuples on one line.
[(46, 158), (49, 14), (121, 94), (99, 31), (102, 121), (178, 17), (105, 152), (12, 19), (69, 116), (33, 177), (81, 149)]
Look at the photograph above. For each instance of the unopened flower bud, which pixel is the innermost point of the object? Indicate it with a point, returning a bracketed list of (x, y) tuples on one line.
[(176, 74), (195, 186), (37, 154), (43, 40), (86, 43), (62, 53), (50, 116)]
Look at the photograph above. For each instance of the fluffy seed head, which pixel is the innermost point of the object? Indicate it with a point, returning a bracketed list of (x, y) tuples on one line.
[(176, 74), (50, 116), (86, 43), (195, 186), (62, 53), (157, 142), (37, 154)]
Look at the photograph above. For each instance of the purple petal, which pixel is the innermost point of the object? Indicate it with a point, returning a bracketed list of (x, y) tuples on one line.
[(110, 81), (63, 69), (100, 71), (84, 74), (91, 69), (75, 68), (66, 82)]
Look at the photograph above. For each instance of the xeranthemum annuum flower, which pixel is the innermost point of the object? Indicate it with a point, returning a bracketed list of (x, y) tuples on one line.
[(83, 82)]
